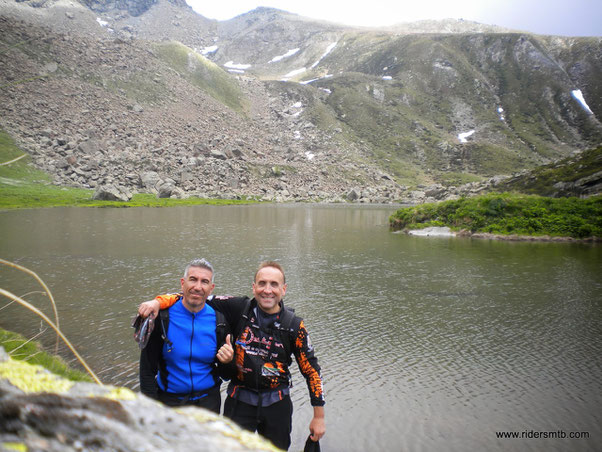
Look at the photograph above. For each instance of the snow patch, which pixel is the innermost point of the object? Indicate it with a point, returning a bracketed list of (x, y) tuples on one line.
[(387, 77), (578, 95), (309, 155), (293, 73), (232, 65), (446, 67), (305, 82), (208, 50), (328, 50), (296, 106), (500, 112), (103, 23), (462, 136), (286, 55)]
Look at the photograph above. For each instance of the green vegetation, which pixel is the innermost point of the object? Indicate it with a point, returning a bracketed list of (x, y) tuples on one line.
[(23, 186), (136, 85), (541, 180), (203, 74), (457, 179), (19, 348), (508, 214), (489, 159), (442, 85)]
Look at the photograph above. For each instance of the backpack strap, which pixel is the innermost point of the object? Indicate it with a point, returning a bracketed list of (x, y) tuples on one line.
[(289, 326), (221, 328), (164, 318), (242, 320)]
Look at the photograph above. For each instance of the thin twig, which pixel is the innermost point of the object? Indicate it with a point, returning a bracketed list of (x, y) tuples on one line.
[(22, 296), (55, 328), (25, 343), (46, 289)]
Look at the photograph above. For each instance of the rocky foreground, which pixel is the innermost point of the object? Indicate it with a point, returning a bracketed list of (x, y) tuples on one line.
[(40, 411)]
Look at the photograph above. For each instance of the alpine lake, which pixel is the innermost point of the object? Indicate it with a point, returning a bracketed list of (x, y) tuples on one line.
[(425, 343)]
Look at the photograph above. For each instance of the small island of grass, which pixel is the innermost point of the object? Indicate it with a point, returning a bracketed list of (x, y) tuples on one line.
[(508, 214)]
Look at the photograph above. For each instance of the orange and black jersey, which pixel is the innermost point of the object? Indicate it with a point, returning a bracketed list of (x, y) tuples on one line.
[(262, 358)]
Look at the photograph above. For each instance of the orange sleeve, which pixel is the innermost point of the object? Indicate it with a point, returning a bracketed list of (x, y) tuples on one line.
[(167, 300), (308, 365)]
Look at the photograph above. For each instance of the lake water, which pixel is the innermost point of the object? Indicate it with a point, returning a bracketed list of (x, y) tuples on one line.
[(426, 344)]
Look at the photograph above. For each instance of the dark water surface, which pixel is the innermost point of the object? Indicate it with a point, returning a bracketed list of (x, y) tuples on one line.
[(426, 344)]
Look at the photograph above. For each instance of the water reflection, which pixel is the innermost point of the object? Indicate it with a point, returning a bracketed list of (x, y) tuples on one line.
[(425, 343)]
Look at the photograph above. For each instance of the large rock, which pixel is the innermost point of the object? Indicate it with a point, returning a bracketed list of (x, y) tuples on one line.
[(436, 191), (218, 154), (40, 411), (150, 180), (352, 195), (110, 192)]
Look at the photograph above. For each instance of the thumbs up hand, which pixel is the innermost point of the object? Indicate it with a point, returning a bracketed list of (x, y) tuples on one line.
[(226, 352)]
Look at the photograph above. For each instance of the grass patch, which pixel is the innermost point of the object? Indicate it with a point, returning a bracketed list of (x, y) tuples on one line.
[(507, 214), (457, 179), (541, 181), (137, 86), (22, 349), (20, 171), (203, 74), (29, 196)]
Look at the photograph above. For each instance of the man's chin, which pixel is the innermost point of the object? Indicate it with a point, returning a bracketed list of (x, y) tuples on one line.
[(267, 304)]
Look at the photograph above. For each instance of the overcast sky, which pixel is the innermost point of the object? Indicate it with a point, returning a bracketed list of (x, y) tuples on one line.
[(555, 17)]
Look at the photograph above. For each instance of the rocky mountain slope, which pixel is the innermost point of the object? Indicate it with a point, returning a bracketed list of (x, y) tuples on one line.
[(151, 96)]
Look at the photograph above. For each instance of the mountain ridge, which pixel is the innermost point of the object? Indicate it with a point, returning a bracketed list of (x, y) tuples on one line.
[(373, 115)]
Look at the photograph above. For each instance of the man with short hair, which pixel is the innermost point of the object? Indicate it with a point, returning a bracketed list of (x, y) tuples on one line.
[(178, 366), (266, 335)]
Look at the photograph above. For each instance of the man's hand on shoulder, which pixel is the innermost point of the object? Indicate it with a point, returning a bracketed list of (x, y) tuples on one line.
[(149, 307)]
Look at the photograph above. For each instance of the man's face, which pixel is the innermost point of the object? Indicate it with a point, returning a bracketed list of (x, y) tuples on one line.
[(196, 287), (269, 289)]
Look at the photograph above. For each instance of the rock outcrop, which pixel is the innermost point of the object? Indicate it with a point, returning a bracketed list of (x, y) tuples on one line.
[(40, 411)]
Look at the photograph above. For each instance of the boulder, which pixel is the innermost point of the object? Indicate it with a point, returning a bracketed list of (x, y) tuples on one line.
[(178, 193), (149, 180), (352, 195), (218, 155), (41, 411), (110, 192), (436, 191)]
